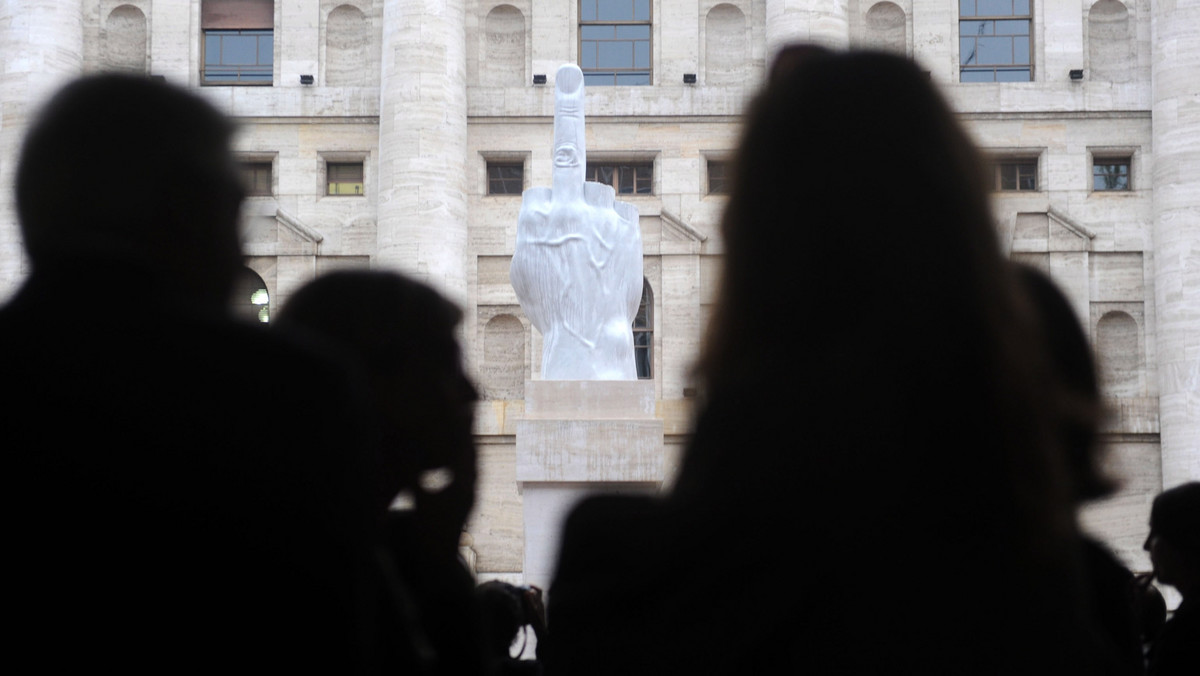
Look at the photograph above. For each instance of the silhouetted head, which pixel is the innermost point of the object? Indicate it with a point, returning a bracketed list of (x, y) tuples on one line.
[(1076, 397), (1174, 541), (859, 213), (403, 333), (134, 172), (865, 306)]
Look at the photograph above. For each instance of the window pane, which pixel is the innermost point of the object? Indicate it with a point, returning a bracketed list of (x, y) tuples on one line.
[(995, 8), (587, 10), (596, 32), (598, 79), (995, 50), (1021, 50), (266, 46), (614, 54), (239, 50), (966, 52), (641, 55), (587, 56), (615, 10), (633, 79), (966, 7), (212, 49), (1012, 75), (966, 28), (625, 187), (641, 10), (1012, 27), (1020, 7), (633, 32), (1008, 177)]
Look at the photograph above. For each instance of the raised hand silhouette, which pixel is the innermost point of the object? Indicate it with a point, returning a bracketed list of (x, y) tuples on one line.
[(577, 269)]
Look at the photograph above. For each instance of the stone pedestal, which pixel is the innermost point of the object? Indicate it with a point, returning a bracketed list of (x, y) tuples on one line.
[(580, 437)]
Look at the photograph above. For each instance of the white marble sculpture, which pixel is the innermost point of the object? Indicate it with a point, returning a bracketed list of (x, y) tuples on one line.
[(577, 269)]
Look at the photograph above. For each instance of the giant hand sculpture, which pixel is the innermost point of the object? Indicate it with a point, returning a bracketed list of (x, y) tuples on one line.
[(577, 269)]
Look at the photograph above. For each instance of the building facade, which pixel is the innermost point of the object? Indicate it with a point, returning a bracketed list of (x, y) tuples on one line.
[(399, 134)]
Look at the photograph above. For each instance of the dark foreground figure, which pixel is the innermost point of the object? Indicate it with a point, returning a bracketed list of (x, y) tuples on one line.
[(1174, 546), (875, 483), (1113, 594), (182, 493), (402, 334)]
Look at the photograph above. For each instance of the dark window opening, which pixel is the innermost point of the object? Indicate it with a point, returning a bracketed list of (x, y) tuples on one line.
[(626, 179), (256, 178), (344, 178), (643, 334), (1110, 174), (505, 178)]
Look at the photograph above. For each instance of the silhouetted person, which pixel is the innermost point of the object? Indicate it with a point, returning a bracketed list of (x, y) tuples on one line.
[(402, 334), (871, 422), (1071, 378), (1174, 546), (182, 490)]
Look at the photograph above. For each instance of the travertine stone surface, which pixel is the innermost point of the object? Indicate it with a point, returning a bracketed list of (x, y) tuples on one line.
[(823, 22), (41, 47), (580, 437), (1177, 235), (422, 144)]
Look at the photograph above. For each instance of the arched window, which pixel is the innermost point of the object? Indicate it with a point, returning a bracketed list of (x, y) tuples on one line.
[(250, 298), (643, 334)]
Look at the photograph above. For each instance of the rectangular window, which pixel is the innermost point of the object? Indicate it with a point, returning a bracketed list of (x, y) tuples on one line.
[(505, 178), (1110, 173), (994, 41), (625, 178), (614, 42), (344, 178), (1016, 174), (256, 178), (239, 42), (718, 177)]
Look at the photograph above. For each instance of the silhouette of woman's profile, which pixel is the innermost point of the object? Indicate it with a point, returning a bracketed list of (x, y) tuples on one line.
[(871, 485)]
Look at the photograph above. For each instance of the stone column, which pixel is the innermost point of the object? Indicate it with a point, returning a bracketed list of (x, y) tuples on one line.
[(823, 22), (421, 177), (41, 47), (1176, 124)]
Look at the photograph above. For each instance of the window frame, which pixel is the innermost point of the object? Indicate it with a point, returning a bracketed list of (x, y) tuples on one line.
[(1113, 159), (503, 164), (616, 73), (618, 166), (725, 178), (996, 68), (335, 161), (257, 68), (1016, 161), (259, 162)]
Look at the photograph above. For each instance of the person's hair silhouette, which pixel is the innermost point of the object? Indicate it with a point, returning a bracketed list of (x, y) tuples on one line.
[(137, 173), (178, 501), (871, 421)]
